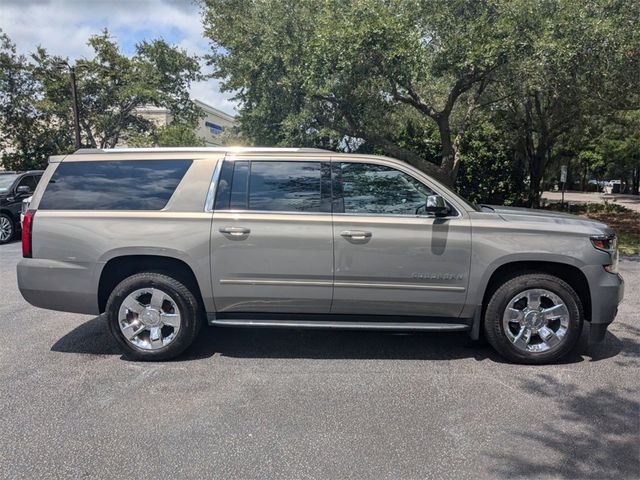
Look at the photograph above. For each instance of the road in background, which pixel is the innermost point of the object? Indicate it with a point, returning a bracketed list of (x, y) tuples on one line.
[(310, 404), (629, 201)]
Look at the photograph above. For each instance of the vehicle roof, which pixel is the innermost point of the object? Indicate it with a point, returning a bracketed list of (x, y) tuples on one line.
[(5, 172), (94, 151), (98, 154)]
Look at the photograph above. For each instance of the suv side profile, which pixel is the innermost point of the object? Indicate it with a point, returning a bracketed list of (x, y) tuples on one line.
[(162, 240), (14, 188)]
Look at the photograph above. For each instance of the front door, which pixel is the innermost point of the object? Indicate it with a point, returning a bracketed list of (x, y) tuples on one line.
[(272, 236), (389, 258)]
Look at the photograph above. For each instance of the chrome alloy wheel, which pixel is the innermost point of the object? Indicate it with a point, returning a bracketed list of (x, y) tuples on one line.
[(149, 318), (6, 229), (536, 320)]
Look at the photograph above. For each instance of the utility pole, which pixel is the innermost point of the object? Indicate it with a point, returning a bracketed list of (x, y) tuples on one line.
[(74, 102)]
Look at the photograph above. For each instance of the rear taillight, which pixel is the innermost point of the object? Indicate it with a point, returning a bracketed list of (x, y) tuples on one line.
[(27, 228)]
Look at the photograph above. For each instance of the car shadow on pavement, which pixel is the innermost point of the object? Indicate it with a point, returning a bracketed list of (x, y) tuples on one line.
[(93, 337), (595, 435), (15, 239)]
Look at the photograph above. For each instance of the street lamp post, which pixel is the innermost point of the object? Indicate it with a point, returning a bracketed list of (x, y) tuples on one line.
[(74, 102), (76, 109)]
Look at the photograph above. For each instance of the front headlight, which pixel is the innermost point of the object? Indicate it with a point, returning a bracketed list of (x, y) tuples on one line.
[(609, 244)]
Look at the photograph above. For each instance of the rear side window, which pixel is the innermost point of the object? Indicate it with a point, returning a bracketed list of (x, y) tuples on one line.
[(275, 186), (113, 185)]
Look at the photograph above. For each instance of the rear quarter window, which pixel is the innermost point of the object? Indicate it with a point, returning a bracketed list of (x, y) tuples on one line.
[(113, 185)]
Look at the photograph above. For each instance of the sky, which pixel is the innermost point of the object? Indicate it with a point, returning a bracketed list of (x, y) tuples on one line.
[(64, 26)]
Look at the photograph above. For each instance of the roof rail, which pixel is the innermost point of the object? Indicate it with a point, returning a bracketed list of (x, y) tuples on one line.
[(94, 151)]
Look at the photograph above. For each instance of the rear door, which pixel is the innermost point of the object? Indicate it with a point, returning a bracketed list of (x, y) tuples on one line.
[(272, 236), (389, 259)]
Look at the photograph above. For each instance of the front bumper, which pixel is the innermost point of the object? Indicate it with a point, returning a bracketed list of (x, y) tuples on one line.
[(607, 291)]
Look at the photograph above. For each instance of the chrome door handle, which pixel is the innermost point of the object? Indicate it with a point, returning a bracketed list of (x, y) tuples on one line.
[(356, 234), (235, 231)]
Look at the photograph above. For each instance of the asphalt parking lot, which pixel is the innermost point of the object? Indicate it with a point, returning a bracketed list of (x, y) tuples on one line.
[(310, 404)]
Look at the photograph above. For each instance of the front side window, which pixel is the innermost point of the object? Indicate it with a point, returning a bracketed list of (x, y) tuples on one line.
[(28, 181), (113, 185), (274, 186), (377, 189)]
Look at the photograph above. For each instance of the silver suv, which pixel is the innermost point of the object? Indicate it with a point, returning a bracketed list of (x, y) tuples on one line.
[(162, 240)]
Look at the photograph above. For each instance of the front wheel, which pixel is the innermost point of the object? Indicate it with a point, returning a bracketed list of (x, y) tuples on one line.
[(153, 316), (534, 318)]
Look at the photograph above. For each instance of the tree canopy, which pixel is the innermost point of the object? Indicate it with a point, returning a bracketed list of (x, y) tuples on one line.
[(413, 78), (35, 101)]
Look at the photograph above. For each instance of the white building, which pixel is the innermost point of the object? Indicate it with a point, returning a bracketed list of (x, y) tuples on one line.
[(209, 127)]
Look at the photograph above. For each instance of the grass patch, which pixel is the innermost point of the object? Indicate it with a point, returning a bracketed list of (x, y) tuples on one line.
[(629, 243), (624, 221)]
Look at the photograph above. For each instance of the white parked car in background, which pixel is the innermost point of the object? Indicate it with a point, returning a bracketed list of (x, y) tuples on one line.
[(612, 186), (25, 206)]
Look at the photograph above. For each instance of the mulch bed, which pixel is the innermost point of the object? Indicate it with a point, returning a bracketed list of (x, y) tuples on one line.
[(625, 222)]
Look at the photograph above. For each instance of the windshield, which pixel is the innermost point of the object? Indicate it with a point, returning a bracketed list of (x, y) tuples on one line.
[(6, 180)]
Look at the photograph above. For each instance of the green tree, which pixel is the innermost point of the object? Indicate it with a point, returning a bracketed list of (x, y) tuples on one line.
[(175, 134), (111, 88), (619, 146), (490, 171), (28, 134), (341, 72), (580, 60)]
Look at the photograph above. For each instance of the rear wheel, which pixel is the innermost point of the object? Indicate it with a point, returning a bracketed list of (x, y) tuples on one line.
[(533, 318), (153, 316), (7, 228)]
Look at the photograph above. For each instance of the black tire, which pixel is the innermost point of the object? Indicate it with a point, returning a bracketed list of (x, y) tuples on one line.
[(187, 303), (512, 286), (12, 226)]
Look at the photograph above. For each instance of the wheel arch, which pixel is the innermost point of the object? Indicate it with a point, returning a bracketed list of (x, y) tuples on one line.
[(8, 212), (120, 267), (565, 271)]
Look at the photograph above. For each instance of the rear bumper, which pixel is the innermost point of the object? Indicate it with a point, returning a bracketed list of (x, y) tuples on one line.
[(57, 285)]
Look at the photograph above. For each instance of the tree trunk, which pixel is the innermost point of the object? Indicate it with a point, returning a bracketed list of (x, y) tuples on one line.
[(537, 166), (450, 161), (535, 178)]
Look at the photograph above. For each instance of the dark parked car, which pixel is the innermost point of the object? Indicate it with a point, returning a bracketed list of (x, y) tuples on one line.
[(14, 188)]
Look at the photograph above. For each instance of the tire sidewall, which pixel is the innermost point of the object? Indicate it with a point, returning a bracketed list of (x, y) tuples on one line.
[(12, 223), (185, 301), (494, 329)]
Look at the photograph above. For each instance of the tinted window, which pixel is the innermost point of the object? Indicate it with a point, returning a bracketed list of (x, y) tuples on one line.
[(240, 186), (285, 186), (6, 180), (28, 181), (113, 185), (378, 189), (223, 189), (274, 186)]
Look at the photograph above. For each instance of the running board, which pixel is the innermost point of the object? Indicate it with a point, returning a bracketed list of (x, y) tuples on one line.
[(346, 325)]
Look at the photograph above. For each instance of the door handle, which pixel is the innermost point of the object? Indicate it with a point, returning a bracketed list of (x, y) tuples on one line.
[(356, 234), (235, 231)]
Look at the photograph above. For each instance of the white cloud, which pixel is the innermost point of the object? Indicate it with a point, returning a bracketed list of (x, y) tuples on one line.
[(63, 28)]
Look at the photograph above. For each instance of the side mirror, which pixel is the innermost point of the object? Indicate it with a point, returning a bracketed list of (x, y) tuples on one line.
[(23, 190), (436, 205)]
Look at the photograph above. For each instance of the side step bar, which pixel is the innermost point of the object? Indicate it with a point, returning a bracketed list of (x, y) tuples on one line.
[(346, 325)]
